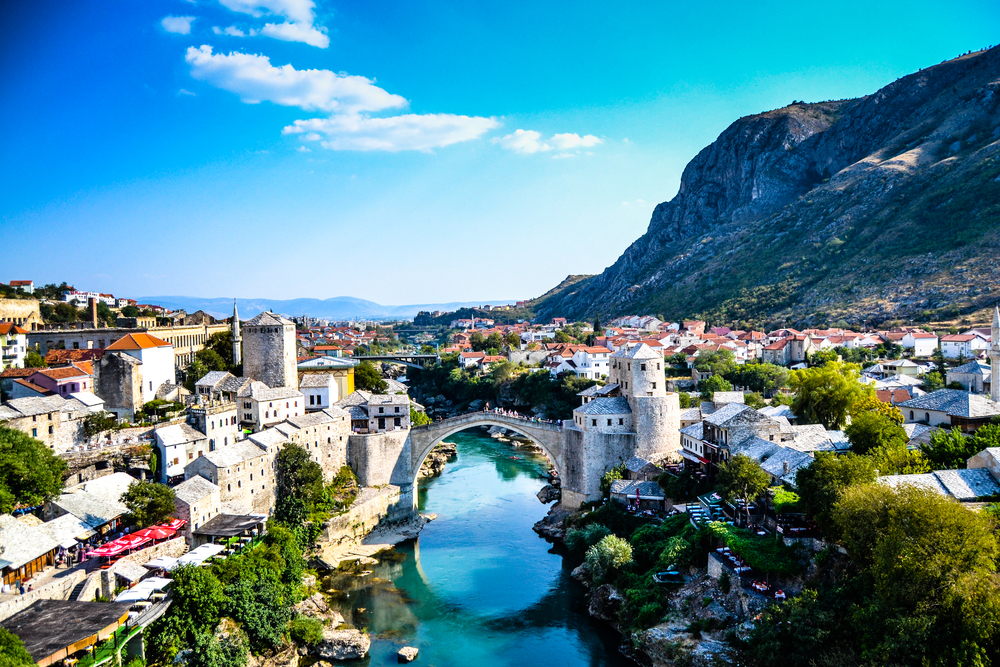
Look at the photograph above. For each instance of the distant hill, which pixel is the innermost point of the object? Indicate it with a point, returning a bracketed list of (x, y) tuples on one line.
[(336, 308), (881, 208)]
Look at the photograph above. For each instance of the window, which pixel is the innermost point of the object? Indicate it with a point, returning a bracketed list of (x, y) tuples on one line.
[(51, 429), (927, 416), (593, 422), (380, 410), (151, 385), (621, 421), (911, 414), (642, 367), (609, 422), (654, 385), (34, 433), (397, 410), (396, 422)]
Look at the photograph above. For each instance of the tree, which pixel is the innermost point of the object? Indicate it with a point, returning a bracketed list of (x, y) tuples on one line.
[(927, 567), (717, 362), (222, 344), (494, 341), (821, 482), (712, 384), (199, 600), (262, 605), (871, 404), (598, 329), (894, 458), (611, 553), (754, 400), (822, 357), (562, 337), (211, 360), (298, 485), (684, 399), (741, 479), (825, 394), (477, 341), (148, 503), (418, 418), (130, 311), (12, 651), (30, 473), (208, 650), (871, 429), (950, 449), (512, 340), (764, 378), (34, 360), (367, 377)]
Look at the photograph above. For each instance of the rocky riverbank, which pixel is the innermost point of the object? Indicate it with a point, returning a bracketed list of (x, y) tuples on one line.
[(436, 460), (701, 612)]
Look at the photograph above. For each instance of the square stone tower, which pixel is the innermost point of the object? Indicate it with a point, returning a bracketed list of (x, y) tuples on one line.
[(269, 351)]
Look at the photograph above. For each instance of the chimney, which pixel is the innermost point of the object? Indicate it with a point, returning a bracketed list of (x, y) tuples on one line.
[(786, 468), (92, 307)]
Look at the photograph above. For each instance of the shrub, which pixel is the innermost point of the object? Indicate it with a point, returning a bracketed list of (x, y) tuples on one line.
[(305, 631), (578, 540), (610, 554)]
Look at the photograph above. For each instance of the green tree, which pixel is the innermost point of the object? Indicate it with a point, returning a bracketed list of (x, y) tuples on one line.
[(684, 399), (367, 377), (763, 378), (712, 384), (562, 337), (199, 600), (949, 449), (825, 394), (211, 360), (262, 606), (927, 569), (512, 340), (598, 329), (305, 631), (208, 650), (418, 418), (616, 473), (30, 473), (130, 311), (895, 459), (298, 485), (741, 479), (754, 400), (34, 360), (871, 404), (822, 357), (221, 343), (477, 341), (608, 555), (148, 503), (870, 430), (821, 483), (717, 362), (12, 651), (494, 341), (104, 314)]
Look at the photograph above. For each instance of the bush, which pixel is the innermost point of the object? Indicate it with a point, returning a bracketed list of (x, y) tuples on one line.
[(305, 631), (608, 555), (578, 540), (615, 518), (618, 472)]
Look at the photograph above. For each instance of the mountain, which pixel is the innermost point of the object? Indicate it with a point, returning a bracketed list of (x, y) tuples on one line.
[(337, 308), (885, 207)]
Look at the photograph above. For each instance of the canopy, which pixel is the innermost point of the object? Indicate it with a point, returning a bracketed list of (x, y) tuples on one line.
[(200, 555), (175, 523), (143, 590), (156, 532), (163, 562), (118, 546)]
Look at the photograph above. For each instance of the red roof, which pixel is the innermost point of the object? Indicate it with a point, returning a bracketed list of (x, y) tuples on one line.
[(137, 341), (18, 372), (951, 338), (53, 357), (7, 327), (20, 283)]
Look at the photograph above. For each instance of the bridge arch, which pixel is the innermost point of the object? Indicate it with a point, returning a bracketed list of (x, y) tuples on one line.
[(546, 436)]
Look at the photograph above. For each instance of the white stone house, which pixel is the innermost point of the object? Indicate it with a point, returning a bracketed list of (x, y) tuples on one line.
[(156, 357), (178, 445), (319, 391), (198, 500), (954, 346), (244, 474), (260, 406), (922, 343), (950, 408), (13, 345)]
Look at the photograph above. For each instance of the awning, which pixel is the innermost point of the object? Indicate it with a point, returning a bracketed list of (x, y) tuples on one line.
[(691, 457), (163, 562), (200, 555), (130, 571)]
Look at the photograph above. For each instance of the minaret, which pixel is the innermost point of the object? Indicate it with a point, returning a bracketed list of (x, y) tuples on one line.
[(995, 356), (237, 341)]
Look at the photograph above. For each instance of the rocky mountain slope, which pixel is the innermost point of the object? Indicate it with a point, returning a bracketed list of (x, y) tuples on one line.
[(867, 210)]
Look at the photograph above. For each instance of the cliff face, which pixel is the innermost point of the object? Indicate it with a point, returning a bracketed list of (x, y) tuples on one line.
[(883, 207)]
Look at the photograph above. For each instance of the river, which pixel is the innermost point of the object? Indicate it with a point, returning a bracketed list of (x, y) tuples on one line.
[(478, 587)]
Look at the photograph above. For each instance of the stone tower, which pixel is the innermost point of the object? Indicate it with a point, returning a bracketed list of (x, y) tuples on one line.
[(655, 411), (995, 356), (269, 351), (237, 341)]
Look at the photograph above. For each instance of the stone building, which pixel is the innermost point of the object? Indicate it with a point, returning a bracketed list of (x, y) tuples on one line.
[(118, 381), (177, 445), (244, 474), (325, 436), (217, 419), (377, 413), (261, 406), (25, 313), (269, 351), (319, 391), (155, 355), (633, 415), (56, 421), (198, 500), (13, 345), (342, 371)]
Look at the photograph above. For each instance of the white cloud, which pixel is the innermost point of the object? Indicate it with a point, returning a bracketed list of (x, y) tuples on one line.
[(232, 31), (254, 79), (565, 142), (530, 141), (297, 32), (180, 25), (408, 132), (524, 141), (186, 92), (303, 149), (299, 24)]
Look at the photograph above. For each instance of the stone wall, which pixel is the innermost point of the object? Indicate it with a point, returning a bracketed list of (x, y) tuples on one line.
[(380, 458), (371, 506), (94, 463), (57, 590), (657, 422), (22, 312), (526, 357), (67, 429), (118, 380)]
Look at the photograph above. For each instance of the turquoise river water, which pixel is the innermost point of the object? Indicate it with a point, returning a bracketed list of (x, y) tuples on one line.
[(478, 587)]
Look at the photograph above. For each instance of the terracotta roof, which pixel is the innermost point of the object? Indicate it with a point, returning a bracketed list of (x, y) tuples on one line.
[(63, 373), (137, 341), (7, 327), (952, 338), (18, 372), (72, 356), (15, 283), (892, 395)]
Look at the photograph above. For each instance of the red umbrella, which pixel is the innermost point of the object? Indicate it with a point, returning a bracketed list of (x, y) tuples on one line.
[(175, 523), (156, 532)]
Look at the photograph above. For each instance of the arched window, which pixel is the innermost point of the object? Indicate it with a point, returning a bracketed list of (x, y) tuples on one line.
[(927, 416), (911, 414)]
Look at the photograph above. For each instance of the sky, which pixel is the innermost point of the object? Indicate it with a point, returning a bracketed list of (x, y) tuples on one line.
[(402, 152)]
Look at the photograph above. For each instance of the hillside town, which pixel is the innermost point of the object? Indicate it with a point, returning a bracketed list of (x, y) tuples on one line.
[(206, 408)]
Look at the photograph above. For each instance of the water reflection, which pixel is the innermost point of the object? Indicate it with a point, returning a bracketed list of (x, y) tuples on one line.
[(479, 587)]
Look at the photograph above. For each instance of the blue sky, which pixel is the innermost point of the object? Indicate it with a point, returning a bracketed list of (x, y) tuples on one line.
[(402, 152)]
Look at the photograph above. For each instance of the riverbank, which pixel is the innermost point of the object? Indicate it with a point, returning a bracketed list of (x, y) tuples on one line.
[(383, 536)]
